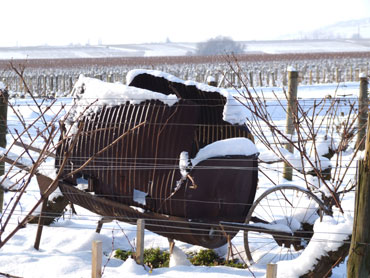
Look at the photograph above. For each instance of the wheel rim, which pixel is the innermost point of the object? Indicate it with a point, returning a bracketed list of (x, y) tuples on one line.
[(289, 206)]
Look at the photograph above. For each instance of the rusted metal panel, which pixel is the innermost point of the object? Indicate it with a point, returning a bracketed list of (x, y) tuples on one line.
[(208, 235)]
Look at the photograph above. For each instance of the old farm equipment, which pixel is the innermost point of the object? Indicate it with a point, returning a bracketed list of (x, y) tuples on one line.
[(178, 154)]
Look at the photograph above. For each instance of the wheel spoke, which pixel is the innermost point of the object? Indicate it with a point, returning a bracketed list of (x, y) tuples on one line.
[(283, 204)]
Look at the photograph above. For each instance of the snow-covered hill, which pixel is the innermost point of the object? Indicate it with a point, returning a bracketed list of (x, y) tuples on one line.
[(353, 29)]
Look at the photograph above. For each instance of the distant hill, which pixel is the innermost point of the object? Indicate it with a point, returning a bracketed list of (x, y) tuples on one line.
[(353, 29)]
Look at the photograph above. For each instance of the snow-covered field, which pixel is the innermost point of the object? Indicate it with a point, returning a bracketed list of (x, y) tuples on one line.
[(66, 244), (179, 49)]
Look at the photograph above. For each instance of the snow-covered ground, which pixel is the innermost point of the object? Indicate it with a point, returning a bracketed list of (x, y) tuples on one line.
[(179, 49), (66, 245)]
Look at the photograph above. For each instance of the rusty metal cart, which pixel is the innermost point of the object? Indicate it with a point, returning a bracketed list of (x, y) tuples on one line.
[(133, 153)]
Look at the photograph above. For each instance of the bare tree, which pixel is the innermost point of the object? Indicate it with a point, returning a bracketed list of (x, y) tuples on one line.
[(219, 46)]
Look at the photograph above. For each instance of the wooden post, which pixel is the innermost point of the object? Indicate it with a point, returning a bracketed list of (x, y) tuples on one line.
[(20, 84), (64, 84), (70, 84), (271, 271), (359, 255), (251, 79), (140, 226), (40, 225), (273, 76), (290, 117), (363, 101), (45, 86), (97, 255), (51, 85), (260, 78), (3, 131), (211, 81), (357, 74), (172, 245), (317, 75), (284, 78), (337, 75), (229, 249)]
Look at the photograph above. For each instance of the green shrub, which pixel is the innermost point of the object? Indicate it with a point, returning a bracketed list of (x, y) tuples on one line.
[(123, 254), (206, 257), (209, 257), (156, 258), (153, 257), (234, 263)]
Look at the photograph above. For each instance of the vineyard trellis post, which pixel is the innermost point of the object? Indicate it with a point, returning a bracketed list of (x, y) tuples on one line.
[(291, 114), (359, 256), (97, 255), (251, 79), (363, 101), (140, 226), (271, 271), (3, 130)]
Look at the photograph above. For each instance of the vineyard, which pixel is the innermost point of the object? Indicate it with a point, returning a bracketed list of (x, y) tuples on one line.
[(320, 155), (56, 77)]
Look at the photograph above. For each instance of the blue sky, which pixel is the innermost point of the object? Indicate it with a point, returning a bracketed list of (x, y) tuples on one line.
[(40, 22)]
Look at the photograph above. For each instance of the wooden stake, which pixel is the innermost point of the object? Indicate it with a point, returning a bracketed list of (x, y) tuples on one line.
[(260, 78), (3, 130), (363, 102), (291, 114), (229, 249), (359, 256), (271, 271), (40, 225), (140, 241), (172, 245), (97, 255), (251, 78)]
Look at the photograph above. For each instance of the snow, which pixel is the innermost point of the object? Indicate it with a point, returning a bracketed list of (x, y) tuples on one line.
[(184, 163), (7, 184), (130, 266), (178, 257), (210, 79), (91, 94), (328, 236), (232, 146), (281, 227), (233, 112), (13, 156), (110, 94), (363, 75), (180, 49), (66, 244), (321, 163), (139, 197), (201, 86)]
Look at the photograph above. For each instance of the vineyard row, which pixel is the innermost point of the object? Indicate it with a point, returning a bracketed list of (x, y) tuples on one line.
[(59, 81)]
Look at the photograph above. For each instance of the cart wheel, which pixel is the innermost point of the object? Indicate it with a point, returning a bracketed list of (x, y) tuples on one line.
[(287, 207)]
